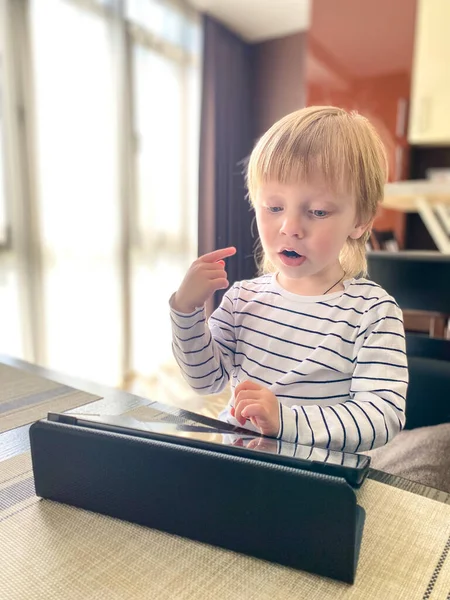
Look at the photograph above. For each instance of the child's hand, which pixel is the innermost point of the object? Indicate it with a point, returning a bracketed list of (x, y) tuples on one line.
[(263, 444), (260, 405), (205, 276)]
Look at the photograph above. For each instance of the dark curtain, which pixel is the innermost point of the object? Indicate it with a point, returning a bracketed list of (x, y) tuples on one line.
[(225, 217)]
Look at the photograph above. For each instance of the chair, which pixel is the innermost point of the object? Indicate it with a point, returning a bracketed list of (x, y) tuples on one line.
[(420, 281)]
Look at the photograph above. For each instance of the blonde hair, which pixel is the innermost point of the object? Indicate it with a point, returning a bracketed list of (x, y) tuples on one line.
[(340, 148)]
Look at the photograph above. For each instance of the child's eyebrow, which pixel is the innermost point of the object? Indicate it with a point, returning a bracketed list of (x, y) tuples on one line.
[(272, 197), (325, 201)]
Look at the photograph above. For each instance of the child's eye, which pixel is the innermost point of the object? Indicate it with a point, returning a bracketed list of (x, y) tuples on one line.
[(274, 209), (320, 214)]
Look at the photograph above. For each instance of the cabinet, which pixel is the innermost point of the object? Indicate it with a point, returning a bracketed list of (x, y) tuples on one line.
[(430, 97)]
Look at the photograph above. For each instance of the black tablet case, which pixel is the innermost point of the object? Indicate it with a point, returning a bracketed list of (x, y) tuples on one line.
[(296, 518)]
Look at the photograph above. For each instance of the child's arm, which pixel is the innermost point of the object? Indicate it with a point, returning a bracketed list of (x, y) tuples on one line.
[(204, 353), (375, 411)]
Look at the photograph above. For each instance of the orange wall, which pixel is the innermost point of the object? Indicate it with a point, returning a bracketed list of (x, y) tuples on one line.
[(359, 57)]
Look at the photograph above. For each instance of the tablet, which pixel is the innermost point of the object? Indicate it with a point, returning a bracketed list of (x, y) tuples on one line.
[(236, 441)]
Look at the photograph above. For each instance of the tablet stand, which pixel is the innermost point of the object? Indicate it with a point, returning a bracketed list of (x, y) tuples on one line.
[(286, 515)]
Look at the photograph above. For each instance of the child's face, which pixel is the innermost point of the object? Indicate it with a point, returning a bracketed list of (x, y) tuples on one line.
[(303, 228)]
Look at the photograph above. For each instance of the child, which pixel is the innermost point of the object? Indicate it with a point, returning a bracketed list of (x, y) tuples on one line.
[(315, 353)]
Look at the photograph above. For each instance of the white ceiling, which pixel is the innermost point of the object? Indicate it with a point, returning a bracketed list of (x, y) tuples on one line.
[(258, 20)]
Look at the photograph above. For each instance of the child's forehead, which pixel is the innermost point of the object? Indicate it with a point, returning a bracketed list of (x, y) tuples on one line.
[(310, 189)]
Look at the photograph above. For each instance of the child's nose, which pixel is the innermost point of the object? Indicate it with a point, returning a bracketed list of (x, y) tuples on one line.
[(292, 227)]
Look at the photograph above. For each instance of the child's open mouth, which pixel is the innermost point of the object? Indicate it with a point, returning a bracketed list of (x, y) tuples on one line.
[(291, 258)]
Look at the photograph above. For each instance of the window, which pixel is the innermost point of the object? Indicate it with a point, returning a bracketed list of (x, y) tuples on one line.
[(78, 163), (11, 341), (166, 78), (78, 196), (3, 218)]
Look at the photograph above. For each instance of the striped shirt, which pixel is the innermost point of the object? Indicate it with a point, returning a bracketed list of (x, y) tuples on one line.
[(336, 363)]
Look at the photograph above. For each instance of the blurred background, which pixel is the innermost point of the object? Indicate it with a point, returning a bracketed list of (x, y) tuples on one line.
[(124, 129)]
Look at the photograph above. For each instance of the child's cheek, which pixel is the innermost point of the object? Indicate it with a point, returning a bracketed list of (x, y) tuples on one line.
[(328, 242)]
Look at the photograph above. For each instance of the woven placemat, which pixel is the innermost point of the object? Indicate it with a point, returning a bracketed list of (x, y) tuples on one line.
[(51, 551), (13, 468), (25, 398)]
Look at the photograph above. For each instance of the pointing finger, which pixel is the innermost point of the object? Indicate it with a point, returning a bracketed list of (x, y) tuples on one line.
[(218, 254)]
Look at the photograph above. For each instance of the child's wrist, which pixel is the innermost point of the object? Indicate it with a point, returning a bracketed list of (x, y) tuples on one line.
[(180, 306)]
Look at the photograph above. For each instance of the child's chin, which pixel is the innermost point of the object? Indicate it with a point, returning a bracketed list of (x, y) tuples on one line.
[(294, 270)]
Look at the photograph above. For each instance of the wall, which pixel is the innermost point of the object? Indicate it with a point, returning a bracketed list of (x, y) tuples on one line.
[(278, 79), (359, 57)]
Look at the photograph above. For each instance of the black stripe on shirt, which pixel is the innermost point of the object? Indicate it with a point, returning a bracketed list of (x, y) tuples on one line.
[(194, 365), (377, 362), (383, 348), (361, 296), (190, 326), (229, 331), (224, 310), (311, 382), (294, 312), (369, 419), (188, 316), (380, 321), (205, 387), (383, 399), (356, 423), (281, 422), (222, 366), (375, 285), (230, 350), (297, 397), (321, 364), (292, 358), (268, 351), (265, 366), (307, 420), (359, 312), (200, 376), (296, 427), (195, 351), (286, 341), (295, 327), (226, 297), (394, 405), (194, 337), (384, 419), (379, 379), (391, 391), (343, 426), (224, 322), (326, 426), (251, 376), (381, 302), (400, 335), (259, 291)]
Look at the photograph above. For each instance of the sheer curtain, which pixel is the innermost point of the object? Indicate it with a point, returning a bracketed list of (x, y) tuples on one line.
[(101, 300), (3, 222), (10, 331), (77, 188), (165, 240), (10, 326)]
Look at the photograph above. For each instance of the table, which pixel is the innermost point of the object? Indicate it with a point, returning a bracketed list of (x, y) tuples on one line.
[(49, 550)]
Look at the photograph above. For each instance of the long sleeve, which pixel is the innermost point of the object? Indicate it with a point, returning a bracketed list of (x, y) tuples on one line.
[(205, 350), (375, 409)]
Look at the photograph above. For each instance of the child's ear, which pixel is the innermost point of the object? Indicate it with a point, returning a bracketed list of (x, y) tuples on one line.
[(359, 230)]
